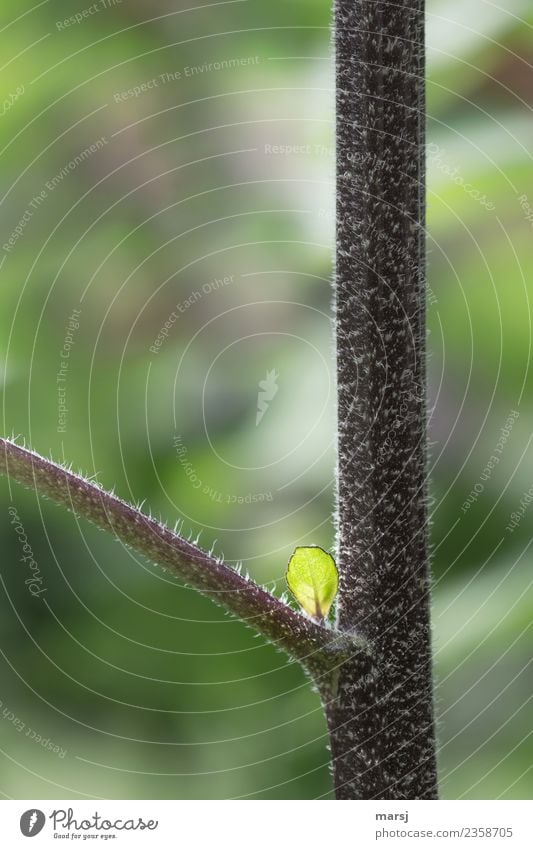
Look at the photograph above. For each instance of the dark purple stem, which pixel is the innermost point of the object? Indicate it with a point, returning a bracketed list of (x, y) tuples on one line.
[(381, 726)]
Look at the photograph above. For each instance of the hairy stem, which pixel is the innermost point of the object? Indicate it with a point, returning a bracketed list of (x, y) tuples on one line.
[(315, 646), (381, 727)]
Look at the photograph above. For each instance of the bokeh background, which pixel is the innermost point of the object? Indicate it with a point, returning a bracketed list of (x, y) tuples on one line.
[(167, 186)]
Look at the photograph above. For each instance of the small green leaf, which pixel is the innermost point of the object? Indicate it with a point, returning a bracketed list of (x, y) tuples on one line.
[(313, 579)]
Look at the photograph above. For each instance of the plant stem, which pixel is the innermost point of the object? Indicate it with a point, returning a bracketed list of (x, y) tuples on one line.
[(381, 727), (315, 646)]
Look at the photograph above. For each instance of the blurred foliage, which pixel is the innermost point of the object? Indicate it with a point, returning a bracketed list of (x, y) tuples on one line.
[(150, 689)]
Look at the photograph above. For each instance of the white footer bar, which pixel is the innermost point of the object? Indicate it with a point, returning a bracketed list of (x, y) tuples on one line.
[(268, 824)]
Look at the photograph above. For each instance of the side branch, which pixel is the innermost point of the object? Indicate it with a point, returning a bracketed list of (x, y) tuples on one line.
[(316, 647)]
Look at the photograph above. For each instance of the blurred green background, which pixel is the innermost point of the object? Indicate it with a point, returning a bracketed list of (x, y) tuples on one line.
[(167, 172)]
